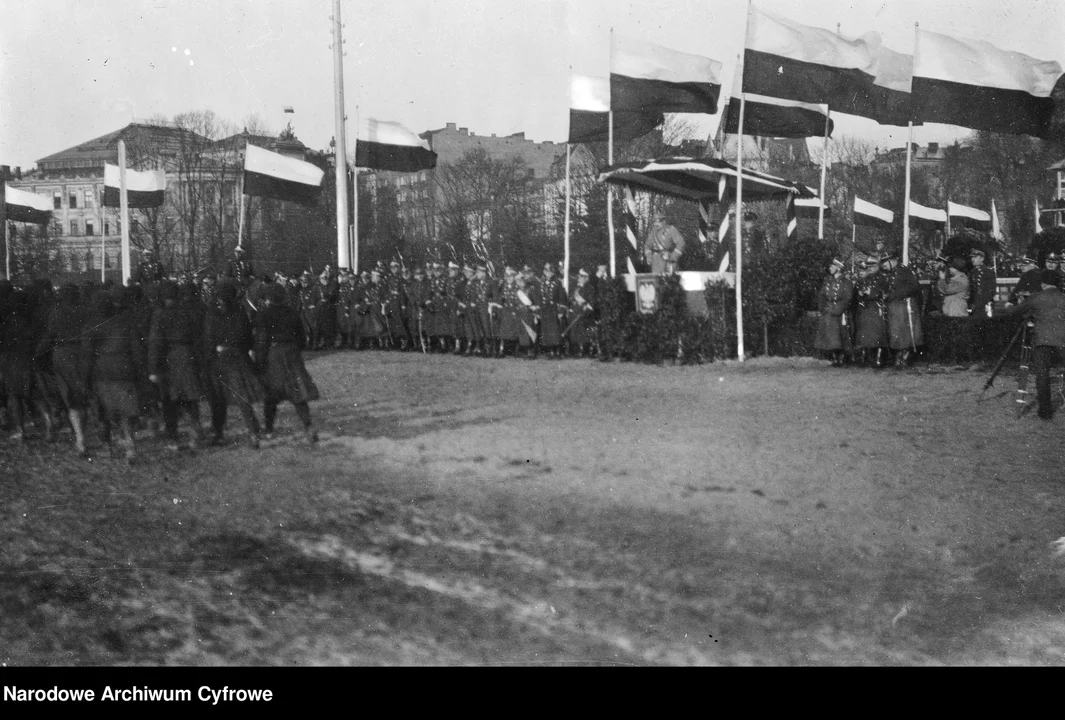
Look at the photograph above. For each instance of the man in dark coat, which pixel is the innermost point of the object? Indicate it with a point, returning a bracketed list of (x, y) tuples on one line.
[(1053, 266), (901, 295), (60, 349), (833, 302), (277, 349), (1029, 283), (982, 285), (1046, 308), (175, 356), (228, 340), (871, 336), (582, 314), (552, 311)]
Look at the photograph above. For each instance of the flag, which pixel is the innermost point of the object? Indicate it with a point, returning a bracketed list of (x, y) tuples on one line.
[(390, 146), (926, 218), (867, 214), (144, 189), (589, 114), (810, 208), (785, 59), (961, 216), (268, 174), (766, 116), (645, 77), (973, 84), (996, 229), (24, 206), (889, 99), (773, 117)]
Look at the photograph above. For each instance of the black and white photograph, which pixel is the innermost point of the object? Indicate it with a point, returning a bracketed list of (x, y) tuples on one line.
[(526, 333)]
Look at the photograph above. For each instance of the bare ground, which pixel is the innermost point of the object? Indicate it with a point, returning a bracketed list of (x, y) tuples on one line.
[(468, 511)]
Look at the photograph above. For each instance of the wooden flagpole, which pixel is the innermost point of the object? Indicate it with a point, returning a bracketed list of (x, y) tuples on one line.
[(566, 253), (240, 221), (123, 204), (609, 191), (824, 177), (341, 153), (739, 232), (906, 207)]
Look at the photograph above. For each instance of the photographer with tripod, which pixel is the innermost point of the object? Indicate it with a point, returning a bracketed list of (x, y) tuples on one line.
[(1046, 308)]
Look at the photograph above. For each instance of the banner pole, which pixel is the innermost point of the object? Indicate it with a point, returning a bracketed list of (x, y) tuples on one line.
[(123, 205), (739, 232), (824, 176), (565, 263), (240, 221), (906, 206), (341, 154), (610, 195)]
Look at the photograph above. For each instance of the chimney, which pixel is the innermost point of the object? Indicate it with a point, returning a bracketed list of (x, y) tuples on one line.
[(464, 131), (452, 126), (18, 172)]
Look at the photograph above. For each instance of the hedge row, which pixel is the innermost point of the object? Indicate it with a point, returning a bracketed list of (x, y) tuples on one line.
[(673, 334)]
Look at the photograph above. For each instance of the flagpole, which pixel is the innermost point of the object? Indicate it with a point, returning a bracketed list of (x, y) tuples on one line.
[(123, 204), (341, 152), (353, 243), (610, 195), (240, 220), (565, 264), (948, 225), (906, 206), (3, 221), (103, 259), (824, 175), (739, 232)]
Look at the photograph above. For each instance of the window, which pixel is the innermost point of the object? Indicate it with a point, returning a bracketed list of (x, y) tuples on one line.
[(57, 200), (73, 226), (88, 197), (1061, 185), (107, 228), (73, 200), (89, 227), (56, 228)]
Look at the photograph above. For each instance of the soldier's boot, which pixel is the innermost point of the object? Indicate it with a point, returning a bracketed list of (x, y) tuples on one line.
[(77, 419)]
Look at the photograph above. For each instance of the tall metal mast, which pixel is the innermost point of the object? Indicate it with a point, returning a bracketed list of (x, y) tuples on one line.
[(343, 254)]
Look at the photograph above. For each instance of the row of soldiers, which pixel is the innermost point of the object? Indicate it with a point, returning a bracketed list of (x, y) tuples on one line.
[(148, 354), (878, 315), (454, 309)]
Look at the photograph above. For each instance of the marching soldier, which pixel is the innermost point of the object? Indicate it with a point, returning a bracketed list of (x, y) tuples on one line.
[(982, 285), (833, 301), (901, 295), (277, 350), (871, 337), (174, 362), (228, 340), (552, 312)]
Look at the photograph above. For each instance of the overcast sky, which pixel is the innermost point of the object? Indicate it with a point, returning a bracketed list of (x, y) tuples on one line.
[(71, 70)]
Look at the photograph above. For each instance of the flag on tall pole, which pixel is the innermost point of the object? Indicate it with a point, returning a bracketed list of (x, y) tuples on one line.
[(785, 59), (24, 206), (889, 99), (268, 174), (766, 116), (973, 84), (144, 189), (646, 77), (867, 214), (390, 146), (927, 218), (962, 216), (589, 114)]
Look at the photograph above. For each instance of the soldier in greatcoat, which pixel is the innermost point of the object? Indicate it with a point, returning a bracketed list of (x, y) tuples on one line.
[(277, 350), (345, 309), (417, 299), (901, 295), (308, 310), (175, 362), (60, 349), (833, 302), (393, 297), (581, 314), (325, 300), (228, 339), (871, 334), (1029, 283), (554, 304)]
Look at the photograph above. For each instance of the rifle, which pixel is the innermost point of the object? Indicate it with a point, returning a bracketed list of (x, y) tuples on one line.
[(1001, 361)]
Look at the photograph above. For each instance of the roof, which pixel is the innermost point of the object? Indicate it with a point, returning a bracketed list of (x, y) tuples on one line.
[(1059, 165), (103, 149)]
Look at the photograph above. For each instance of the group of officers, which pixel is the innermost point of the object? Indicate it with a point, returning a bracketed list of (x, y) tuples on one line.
[(447, 309), (877, 316), (148, 353)]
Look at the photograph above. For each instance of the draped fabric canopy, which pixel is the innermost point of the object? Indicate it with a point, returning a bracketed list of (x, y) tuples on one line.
[(699, 179)]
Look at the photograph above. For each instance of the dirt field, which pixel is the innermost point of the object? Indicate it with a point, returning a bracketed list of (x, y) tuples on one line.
[(468, 511)]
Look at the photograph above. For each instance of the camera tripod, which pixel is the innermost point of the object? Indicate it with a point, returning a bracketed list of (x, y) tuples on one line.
[(1025, 399)]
